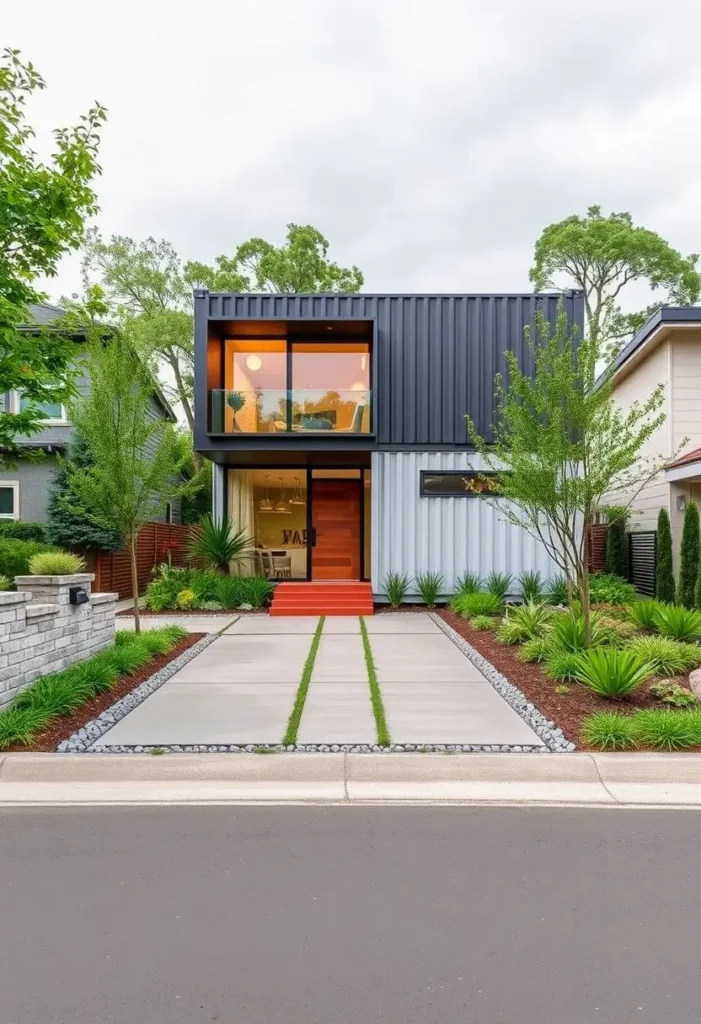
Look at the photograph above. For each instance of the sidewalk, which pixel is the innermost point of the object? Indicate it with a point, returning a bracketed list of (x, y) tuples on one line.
[(587, 780)]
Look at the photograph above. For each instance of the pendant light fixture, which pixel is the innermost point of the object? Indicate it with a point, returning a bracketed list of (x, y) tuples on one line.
[(281, 505), (265, 504), (297, 498)]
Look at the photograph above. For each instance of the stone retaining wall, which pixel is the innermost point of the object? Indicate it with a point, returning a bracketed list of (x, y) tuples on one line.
[(42, 632)]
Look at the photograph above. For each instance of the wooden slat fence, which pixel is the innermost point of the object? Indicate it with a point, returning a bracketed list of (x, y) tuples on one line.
[(113, 569)]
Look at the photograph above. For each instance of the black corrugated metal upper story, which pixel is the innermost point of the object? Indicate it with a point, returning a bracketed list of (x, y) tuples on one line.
[(435, 356)]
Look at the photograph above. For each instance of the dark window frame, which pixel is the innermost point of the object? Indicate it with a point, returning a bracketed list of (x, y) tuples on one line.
[(459, 473)]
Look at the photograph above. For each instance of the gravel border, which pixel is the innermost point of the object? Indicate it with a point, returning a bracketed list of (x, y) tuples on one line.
[(84, 739), (317, 748), (553, 737)]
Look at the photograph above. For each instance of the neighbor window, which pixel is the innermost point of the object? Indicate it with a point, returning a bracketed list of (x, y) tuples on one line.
[(9, 500), (458, 484), (54, 412)]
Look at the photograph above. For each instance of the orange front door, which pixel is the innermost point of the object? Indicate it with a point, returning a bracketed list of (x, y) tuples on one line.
[(336, 510)]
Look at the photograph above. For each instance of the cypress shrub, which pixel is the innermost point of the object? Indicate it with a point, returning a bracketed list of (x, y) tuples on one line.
[(689, 558), (664, 585), (616, 547), (69, 524)]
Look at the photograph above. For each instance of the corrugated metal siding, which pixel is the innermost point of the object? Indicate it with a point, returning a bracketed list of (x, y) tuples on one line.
[(436, 355), (414, 534)]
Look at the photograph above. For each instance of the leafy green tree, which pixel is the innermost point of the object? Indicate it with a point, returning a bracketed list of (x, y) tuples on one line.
[(561, 445), (616, 541), (43, 208), (664, 584), (601, 255), (135, 457), (69, 524), (689, 556)]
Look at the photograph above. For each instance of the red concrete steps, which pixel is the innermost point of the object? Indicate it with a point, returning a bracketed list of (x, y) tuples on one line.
[(343, 597)]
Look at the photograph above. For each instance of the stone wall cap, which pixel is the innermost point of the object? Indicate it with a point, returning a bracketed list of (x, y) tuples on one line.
[(13, 597), (103, 598), (69, 581), (42, 609)]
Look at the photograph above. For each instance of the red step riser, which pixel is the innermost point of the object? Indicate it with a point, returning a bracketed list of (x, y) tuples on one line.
[(322, 604), (326, 591), (352, 612)]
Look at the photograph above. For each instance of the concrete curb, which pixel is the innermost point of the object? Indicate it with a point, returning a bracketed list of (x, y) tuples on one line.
[(599, 780)]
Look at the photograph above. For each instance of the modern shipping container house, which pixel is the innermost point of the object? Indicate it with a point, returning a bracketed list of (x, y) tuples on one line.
[(336, 426)]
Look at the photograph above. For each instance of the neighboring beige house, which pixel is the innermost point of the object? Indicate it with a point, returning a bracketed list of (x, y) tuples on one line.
[(667, 350)]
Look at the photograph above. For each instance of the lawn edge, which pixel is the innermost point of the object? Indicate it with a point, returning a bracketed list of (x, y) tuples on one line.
[(295, 718), (378, 708)]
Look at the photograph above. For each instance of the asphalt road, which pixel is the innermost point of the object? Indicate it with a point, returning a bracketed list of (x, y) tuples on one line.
[(340, 915)]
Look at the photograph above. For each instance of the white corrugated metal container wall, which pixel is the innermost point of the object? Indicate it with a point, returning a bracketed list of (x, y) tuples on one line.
[(411, 533)]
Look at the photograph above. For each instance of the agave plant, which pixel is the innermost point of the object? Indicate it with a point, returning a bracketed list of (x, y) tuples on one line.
[(612, 672), (217, 544), (643, 615), (678, 622)]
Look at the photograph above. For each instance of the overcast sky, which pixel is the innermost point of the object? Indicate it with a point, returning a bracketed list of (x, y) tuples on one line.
[(429, 140)]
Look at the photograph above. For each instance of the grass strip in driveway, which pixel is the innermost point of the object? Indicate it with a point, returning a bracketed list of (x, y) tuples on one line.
[(378, 709), (296, 715)]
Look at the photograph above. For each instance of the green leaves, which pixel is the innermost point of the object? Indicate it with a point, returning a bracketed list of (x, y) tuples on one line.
[(612, 672), (664, 584), (217, 544)]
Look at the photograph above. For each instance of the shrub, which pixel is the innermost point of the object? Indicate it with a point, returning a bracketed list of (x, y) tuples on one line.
[(15, 555), (185, 599), (498, 583), (678, 622), (482, 623), (233, 591), (396, 586), (525, 622), (55, 563), (561, 664), (556, 590), (471, 605), (668, 657), (19, 725), (208, 588), (13, 528), (568, 632), (510, 633), (609, 730), (536, 649), (616, 559), (674, 694), (614, 631), (211, 606), (609, 589), (5, 583), (667, 729), (689, 556), (610, 672), (429, 585), (217, 544), (468, 583), (643, 615), (664, 583), (56, 694), (532, 586)]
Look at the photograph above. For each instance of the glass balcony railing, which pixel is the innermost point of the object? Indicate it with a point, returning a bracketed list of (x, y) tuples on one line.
[(300, 411)]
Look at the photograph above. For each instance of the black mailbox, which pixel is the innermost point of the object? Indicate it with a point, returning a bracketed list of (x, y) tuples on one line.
[(78, 595)]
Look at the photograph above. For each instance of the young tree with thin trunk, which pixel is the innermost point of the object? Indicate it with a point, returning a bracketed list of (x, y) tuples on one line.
[(689, 556), (561, 445), (602, 255), (135, 458), (664, 583)]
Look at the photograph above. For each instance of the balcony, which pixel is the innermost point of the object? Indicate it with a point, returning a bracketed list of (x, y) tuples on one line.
[(299, 411)]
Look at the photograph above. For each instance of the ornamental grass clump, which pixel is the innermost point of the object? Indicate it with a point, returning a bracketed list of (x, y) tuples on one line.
[(483, 623), (397, 586), (611, 672), (468, 583), (532, 586), (429, 585), (561, 664), (609, 730), (524, 622), (643, 615), (667, 656), (471, 605), (666, 729), (536, 649), (556, 590), (678, 622), (498, 583), (55, 563)]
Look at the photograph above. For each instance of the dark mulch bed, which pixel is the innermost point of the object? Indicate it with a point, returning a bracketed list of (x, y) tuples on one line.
[(147, 614), (568, 711), (63, 728)]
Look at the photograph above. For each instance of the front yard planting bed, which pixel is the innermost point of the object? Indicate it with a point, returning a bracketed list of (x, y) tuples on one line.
[(569, 710), (62, 727)]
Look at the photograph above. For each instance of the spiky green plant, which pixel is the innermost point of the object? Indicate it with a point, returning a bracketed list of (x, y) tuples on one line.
[(216, 543), (524, 622), (396, 586), (536, 649), (498, 583), (568, 632), (667, 656), (667, 729), (429, 585), (483, 623), (643, 615), (609, 730), (561, 664), (55, 563), (470, 605), (556, 590), (468, 583), (679, 622), (611, 672), (532, 586)]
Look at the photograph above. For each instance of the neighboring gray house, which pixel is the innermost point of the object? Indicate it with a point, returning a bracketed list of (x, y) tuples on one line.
[(24, 490)]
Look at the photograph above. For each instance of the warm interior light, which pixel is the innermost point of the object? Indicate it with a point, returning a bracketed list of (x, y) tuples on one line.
[(363, 362), (358, 386), (254, 362)]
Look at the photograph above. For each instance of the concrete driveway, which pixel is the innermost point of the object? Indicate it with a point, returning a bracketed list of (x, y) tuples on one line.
[(242, 688)]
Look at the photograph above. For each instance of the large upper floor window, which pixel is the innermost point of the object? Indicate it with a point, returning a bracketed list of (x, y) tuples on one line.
[(54, 412), (457, 484)]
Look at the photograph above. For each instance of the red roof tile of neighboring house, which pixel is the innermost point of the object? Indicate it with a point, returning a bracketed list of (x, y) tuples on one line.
[(684, 460)]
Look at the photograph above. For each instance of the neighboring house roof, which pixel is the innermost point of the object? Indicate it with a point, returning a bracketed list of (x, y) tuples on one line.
[(684, 460), (44, 315), (669, 316)]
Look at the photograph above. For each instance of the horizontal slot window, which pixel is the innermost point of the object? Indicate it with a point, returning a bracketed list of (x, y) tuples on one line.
[(457, 484)]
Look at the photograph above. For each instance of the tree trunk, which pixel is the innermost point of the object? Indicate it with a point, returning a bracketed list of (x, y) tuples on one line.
[(135, 581), (584, 583)]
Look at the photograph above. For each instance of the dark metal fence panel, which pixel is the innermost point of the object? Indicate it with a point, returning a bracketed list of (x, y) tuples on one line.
[(642, 555)]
